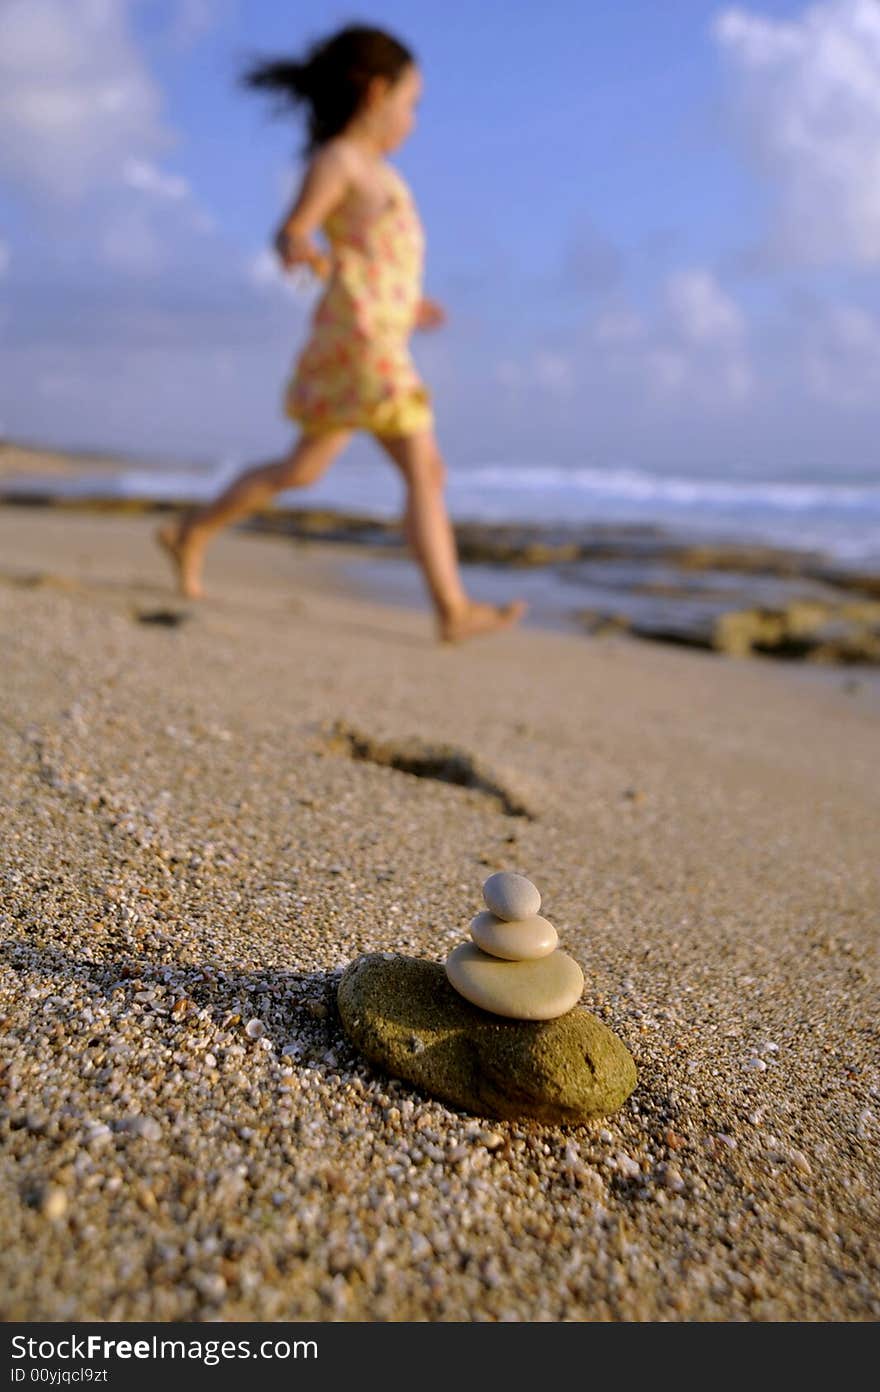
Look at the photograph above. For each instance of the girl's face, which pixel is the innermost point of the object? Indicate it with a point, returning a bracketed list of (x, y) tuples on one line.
[(397, 104)]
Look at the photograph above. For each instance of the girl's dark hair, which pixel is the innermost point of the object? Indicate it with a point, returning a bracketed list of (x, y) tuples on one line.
[(332, 77)]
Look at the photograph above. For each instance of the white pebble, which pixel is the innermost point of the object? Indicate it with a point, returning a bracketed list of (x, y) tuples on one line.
[(211, 1285), (144, 1126), (800, 1161), (490, 1139), (756, 1064), (511, 896), (54, 1204), (627, 1166), (255, 1029)]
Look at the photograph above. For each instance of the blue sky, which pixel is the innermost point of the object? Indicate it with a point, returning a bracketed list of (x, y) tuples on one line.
[(655, 229)]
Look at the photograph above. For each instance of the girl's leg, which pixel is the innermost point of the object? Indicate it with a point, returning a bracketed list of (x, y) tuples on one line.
[(430, 536), (186, 539)]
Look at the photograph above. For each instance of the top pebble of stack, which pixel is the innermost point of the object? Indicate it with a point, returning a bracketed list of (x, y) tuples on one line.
[(511, 896)]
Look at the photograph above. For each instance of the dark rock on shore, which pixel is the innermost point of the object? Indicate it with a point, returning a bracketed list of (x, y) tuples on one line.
[(405, 1017), (813, 630)]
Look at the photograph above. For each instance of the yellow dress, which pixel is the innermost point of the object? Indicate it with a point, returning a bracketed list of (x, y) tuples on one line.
[(355, 371)]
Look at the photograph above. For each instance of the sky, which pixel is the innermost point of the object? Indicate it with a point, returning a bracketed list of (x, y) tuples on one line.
[(655, 229)]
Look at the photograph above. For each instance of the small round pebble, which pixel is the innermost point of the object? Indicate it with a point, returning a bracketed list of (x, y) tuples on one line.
[(53, 1204), (490, 1139), (511, 896), (520, 941), (539, 990)]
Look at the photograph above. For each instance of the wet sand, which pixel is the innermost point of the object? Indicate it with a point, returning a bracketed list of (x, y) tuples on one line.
[(186, 851)]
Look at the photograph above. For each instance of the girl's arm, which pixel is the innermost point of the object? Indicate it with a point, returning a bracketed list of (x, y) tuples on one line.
[(323, 187)]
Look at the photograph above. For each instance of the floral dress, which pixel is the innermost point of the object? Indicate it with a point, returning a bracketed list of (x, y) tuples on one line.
[(355, 371)]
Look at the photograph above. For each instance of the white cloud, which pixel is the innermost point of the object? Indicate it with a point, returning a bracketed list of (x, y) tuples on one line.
[(692, 349), (552, 373), (701, 310), (841, 356), (810, 93), (264, 271), (76, 98), (141, 174), (166, 188), (702, 342), (82, 118)]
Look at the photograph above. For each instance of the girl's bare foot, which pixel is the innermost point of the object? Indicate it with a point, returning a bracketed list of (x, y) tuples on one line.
[(186, 554), (476, 618)]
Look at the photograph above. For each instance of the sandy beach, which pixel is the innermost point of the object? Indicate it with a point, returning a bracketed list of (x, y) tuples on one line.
[(189, 845)]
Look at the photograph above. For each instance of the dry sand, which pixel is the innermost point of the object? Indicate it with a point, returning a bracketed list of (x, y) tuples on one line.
[(185, 851)]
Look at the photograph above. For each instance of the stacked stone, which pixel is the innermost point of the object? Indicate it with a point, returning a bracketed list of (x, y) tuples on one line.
[(418, 1022), (513, 966)]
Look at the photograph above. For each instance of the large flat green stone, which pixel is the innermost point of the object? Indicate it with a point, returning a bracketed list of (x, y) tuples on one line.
[(405, 1017)]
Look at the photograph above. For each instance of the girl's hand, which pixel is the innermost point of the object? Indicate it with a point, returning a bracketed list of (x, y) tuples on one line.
[(429, 315), (294, 250)]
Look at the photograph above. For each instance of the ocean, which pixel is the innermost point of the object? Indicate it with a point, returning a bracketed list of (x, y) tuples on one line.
[(838, 515)]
